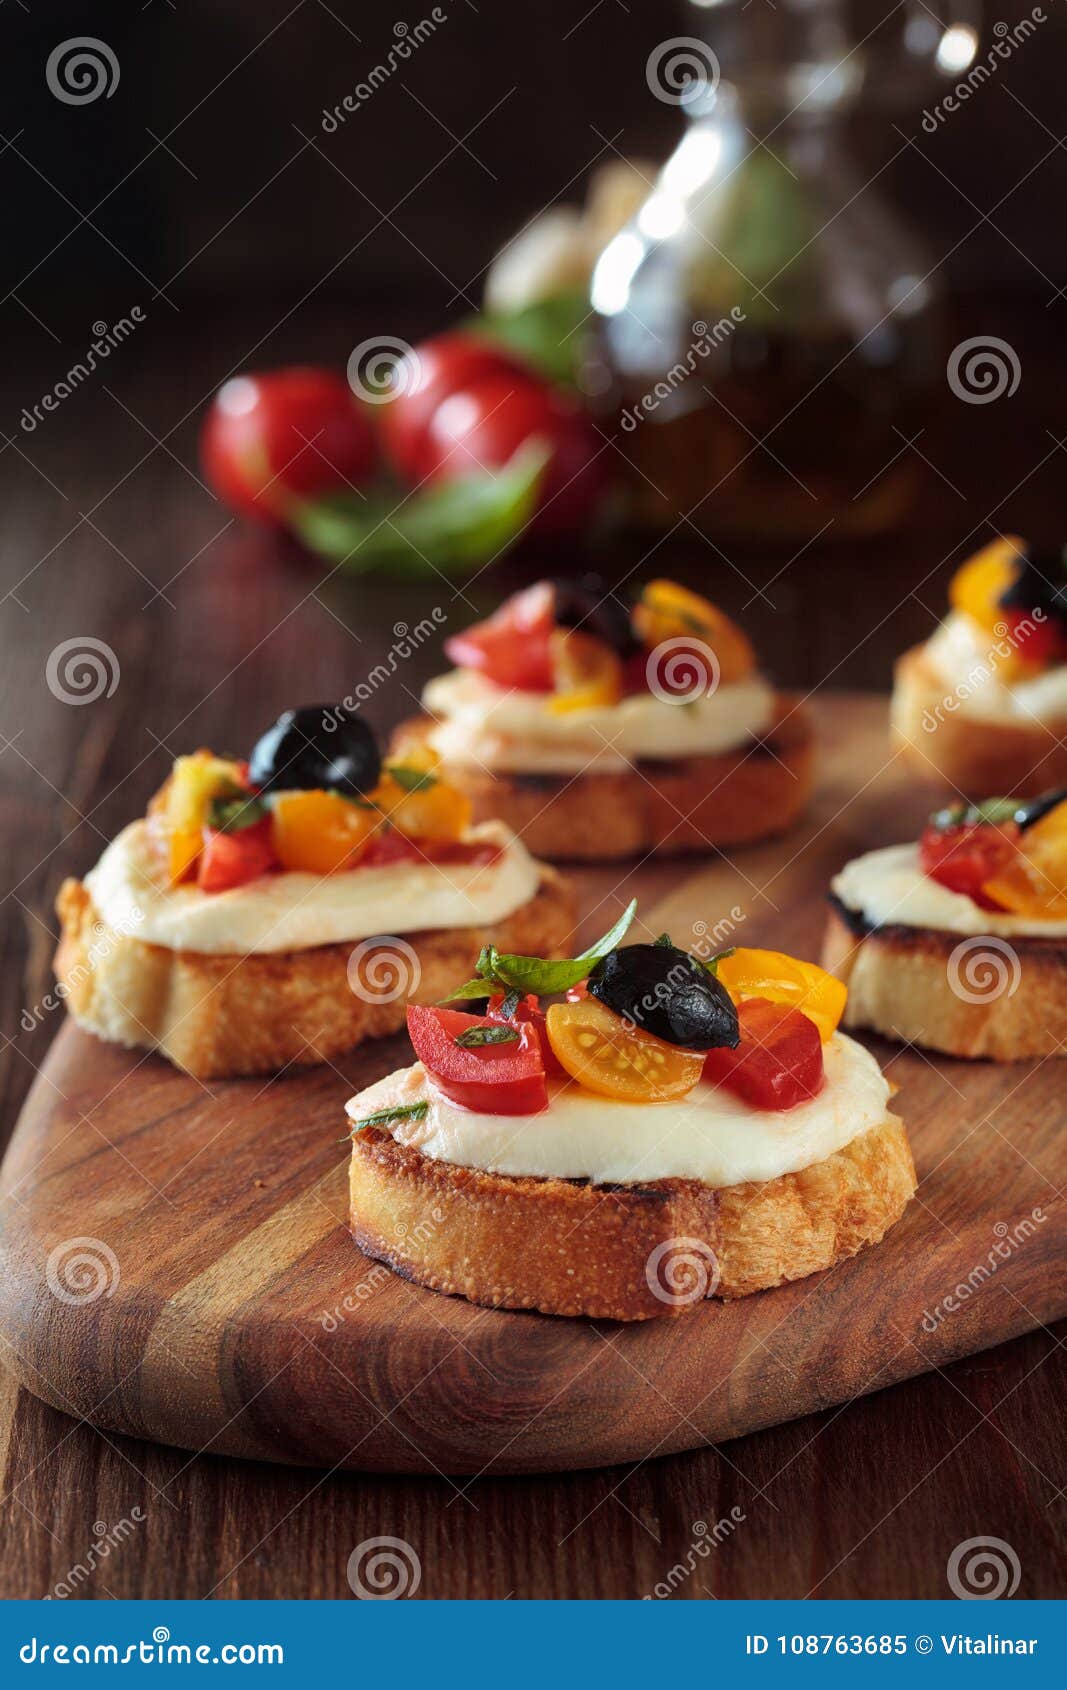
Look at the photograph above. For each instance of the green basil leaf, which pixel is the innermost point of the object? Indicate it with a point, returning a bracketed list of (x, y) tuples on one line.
[(510, 1005), (386, 1117), (666, 941), (455, 525), (549, 333), (500, 970), (412, 780), (991, 811), (233, 815), (712, 964), (475, 1036), (476, 988)]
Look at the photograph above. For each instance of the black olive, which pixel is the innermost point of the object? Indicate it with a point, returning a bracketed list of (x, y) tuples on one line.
[(1040, 584), (319, 745), (589, 604), (1033, 810), (667, 992)]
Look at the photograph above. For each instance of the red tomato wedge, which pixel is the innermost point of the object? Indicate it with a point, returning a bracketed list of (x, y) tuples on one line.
[(529, 1013), (232, 858), (495, 1079), (963, 858), (513, 647), (778, 1062)]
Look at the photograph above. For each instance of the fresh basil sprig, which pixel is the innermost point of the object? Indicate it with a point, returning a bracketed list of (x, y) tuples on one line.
[(233, 815), (499, 971), (475, 1036), (991, 811), (412, 780), (386, 1117)]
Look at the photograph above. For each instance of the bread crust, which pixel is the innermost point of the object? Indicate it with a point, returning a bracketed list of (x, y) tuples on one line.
[(571, 1248), (898, 980), (654, 808), (978, 757), (218, 1016)]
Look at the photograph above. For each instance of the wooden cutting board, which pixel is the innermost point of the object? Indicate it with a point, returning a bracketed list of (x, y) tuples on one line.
[(221, 1305)]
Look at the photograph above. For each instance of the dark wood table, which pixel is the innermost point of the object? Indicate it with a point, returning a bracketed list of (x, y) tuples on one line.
[(108, 534)]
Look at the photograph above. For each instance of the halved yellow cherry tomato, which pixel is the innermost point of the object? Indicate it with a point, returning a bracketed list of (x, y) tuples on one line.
[(785, 979), (434, 811), (978, 585), (615, 1059), (667, 611), (320, 832), (1034, 881), (587, 674), (183, 805)]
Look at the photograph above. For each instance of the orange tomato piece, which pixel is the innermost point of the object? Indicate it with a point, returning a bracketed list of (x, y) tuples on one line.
[(1034, 881), (434, 811), (608, 1056), (587, 674), (977, 586), (668, 611), (320, 832), (750, 973)]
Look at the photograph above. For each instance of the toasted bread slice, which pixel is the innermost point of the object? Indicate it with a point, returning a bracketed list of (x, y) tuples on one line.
[(689, 804), (975, 755), (227, 1015), (967, 996), (620, 1252)]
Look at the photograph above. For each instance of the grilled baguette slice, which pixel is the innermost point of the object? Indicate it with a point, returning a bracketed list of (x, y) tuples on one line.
[(974, 755), (967, 996), (217, 1016), (617, 1252), (659, 808)]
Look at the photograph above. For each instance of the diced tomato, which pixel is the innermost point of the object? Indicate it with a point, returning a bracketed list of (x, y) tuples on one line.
[(530, 1013), (778, 1062), (495, 1079), (233, 858), (615, 1058), (388, 845), (512, 648), (576, 994), (1040, 643), (965, 857)]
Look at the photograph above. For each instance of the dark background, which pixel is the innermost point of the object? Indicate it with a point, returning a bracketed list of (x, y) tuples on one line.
[(205, 192)]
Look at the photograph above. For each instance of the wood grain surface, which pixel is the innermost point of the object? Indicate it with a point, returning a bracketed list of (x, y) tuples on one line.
[(222, 1306)]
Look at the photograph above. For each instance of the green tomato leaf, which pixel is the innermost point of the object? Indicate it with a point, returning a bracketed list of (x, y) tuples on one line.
[(548, 334), (454, 526)]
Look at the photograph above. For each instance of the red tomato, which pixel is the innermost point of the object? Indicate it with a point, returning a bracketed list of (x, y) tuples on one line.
[(963, 858), (530, 1014), (272, 440), (1041, 642), (482, 427), (778, 1062), (232, 858), (426, 377), (512, 647), (496, 1079), (575, 994), (389, 845)]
